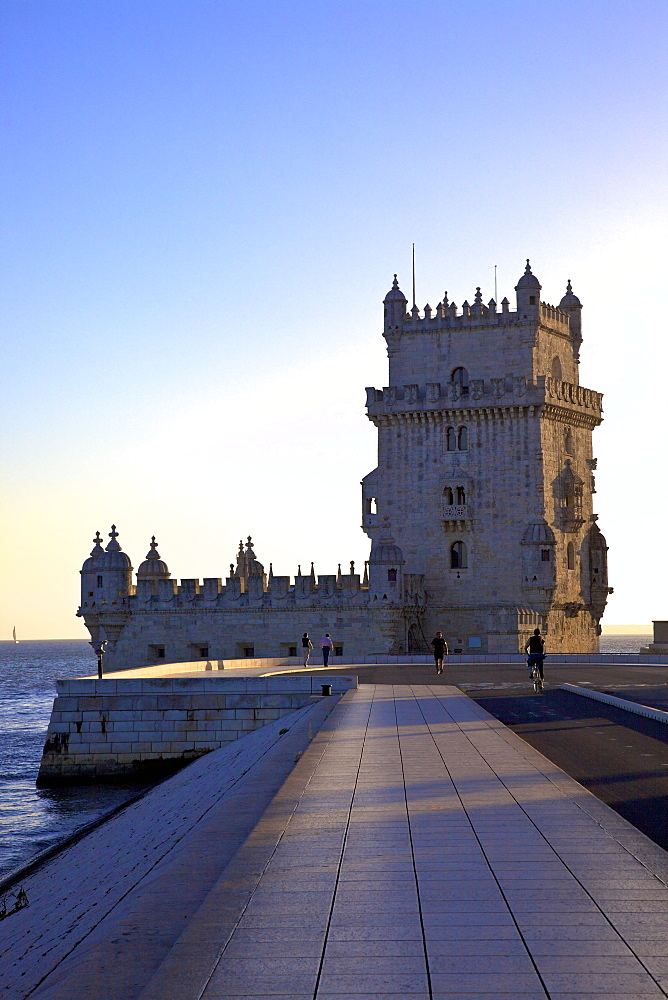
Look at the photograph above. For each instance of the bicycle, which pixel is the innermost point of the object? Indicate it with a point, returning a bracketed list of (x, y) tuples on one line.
[(535, 664)]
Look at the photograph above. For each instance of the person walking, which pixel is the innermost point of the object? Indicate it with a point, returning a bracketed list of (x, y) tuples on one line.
[(535, 648), (307, 646), (440, 647), (327, 646)]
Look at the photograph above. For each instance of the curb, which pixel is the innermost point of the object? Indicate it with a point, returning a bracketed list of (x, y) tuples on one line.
[(609, 699)]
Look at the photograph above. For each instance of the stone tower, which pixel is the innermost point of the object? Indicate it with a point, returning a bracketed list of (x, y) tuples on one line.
[(485, 470)]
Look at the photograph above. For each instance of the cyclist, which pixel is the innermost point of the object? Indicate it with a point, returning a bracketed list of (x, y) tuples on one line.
[(535, 648)]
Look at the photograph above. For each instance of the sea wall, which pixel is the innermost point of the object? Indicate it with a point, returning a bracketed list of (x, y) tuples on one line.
[(129, 727)]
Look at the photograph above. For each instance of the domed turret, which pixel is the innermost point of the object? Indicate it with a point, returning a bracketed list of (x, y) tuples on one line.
[(539, 533), (385, 562), (528, 294), (114, 572), (571, 305), (539, 567), (90, 565), (570, 300), (89, 572), (395, 303), (253, 567), (153, 568)]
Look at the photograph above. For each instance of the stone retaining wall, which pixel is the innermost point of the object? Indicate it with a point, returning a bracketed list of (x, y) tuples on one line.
[(130, 727)]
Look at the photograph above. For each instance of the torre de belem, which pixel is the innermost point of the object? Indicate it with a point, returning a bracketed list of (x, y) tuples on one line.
[(480, 512)]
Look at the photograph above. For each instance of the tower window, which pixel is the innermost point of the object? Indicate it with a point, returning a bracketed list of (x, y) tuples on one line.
[(448, 495), (99, 580), (458, 556), (460, 377), (532, 300), (544, 555), (461, 495), (457, 439), (556, 368), (392, 576), (570, 555)]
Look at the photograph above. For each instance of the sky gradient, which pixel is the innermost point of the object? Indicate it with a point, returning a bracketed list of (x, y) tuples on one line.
[(203, 205)]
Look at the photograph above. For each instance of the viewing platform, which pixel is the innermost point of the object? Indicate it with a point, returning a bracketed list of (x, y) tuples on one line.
[(417, 848)]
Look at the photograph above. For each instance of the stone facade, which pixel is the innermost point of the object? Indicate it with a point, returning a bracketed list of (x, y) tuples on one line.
[(480, 511)]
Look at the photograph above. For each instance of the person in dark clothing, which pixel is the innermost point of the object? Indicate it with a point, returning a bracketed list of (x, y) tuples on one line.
[(307, 646), (535, 648), (440, 647), (327, 646)]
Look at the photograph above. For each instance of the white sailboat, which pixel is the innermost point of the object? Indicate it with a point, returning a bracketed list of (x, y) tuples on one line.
[(14, 634)]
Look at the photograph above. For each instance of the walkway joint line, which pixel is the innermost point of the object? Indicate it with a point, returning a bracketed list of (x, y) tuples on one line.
[(410, 833), (342, 852)]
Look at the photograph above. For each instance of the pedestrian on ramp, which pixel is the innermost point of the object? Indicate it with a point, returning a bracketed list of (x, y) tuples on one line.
[(440, 647), (326, 645)]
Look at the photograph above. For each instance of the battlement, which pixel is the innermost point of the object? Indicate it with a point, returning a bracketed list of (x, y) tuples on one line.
[(448, 316), (501, 391)]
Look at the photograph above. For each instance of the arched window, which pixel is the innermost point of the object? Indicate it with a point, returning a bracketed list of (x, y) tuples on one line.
[(570, 555), (460, 377), (451, 439), (461, 495), (458, 556), (448, 496), (99, 580), (391, 576), (556, 368), (463, 439)]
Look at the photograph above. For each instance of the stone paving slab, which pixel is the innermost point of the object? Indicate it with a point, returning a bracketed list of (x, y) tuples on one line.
[(434, 855)]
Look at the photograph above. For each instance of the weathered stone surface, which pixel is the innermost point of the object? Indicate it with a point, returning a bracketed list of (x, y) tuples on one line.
[(141, 741)]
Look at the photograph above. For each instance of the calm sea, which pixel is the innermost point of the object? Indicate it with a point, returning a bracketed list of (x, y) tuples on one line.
[(33, 819)]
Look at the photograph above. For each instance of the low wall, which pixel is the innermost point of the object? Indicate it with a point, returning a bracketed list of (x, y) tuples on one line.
[(294, 663), (129, 727)]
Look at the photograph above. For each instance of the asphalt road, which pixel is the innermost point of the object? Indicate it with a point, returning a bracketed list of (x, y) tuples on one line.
[(620, 757)]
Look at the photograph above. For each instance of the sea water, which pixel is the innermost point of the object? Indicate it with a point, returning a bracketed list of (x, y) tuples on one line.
[(33, 819)]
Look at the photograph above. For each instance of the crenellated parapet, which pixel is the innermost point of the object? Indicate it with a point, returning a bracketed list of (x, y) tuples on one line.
[(437, 397), (246, 588), (448, 316)]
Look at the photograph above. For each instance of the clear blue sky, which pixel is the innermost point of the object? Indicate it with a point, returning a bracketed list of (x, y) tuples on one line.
[(203, 204)]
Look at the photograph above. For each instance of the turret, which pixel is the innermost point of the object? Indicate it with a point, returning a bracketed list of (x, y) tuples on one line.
[(151, 571), (395, 303), (90, 580), (249, 571), (528, 295), (385, 563), (571, 305), (114, 573)]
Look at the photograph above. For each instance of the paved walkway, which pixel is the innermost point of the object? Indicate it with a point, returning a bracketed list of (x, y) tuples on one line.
[(419, 849), (430, 857)]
